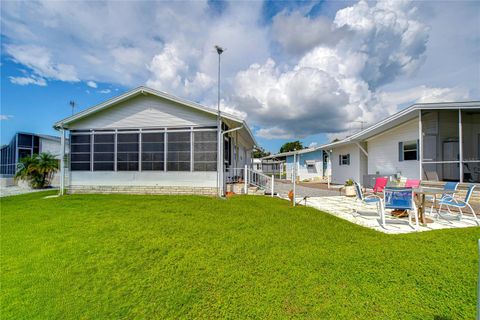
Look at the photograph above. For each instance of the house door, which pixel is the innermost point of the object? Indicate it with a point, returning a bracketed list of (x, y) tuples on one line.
[(325, 163)]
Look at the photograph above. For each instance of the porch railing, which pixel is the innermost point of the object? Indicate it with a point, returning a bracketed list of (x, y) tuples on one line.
[(250, 177)]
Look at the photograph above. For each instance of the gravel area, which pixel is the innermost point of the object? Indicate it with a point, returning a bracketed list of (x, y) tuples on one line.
[(15, 190)]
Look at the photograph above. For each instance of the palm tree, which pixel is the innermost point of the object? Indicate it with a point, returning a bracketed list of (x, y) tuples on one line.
[(38, 169)]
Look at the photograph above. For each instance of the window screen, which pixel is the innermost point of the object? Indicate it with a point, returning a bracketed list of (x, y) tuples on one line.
[(178, 154), (80, 152), (205, 151), (153, 148), (25, 140), (127, 151), (103, 152)]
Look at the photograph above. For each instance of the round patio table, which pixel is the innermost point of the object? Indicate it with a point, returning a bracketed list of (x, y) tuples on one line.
[(420, 194)]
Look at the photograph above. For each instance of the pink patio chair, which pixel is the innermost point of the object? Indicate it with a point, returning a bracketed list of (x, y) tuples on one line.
[(380, 184), (412, 183)]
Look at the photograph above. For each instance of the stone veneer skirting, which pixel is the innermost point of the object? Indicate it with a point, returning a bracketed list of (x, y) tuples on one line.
[(142, 190)]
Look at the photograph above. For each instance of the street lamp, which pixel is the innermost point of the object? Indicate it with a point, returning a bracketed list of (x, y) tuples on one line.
[(219, 128)]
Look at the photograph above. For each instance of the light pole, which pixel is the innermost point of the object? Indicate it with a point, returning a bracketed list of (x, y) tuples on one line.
[(219, 130)]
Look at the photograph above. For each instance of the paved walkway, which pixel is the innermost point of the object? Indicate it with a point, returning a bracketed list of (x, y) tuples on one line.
[(283, 187), (13, 191), (348, 209)]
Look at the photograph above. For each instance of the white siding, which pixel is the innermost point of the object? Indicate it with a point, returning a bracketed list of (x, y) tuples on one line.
[(51, 146), (150, 178), (145, 111), (341, 173), (383, 151)]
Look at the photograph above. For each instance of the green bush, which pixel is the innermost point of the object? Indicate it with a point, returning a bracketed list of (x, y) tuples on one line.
[(37, 170)]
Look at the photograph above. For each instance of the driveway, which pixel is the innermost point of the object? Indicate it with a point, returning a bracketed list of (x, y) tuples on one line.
[(15, 190)]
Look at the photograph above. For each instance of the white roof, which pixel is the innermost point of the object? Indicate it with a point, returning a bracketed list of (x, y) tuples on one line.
[(401, 117), (387, 123), (146, 90)]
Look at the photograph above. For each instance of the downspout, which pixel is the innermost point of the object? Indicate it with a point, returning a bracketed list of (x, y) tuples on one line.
[(62, 163)]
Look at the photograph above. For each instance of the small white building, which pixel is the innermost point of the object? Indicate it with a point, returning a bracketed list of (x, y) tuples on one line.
[(431, 141), (147, 141)]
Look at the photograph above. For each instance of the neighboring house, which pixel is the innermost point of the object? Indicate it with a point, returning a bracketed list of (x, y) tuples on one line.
[(431, 141), (23, 145), (311, 163), (257, 164), (147, 141)]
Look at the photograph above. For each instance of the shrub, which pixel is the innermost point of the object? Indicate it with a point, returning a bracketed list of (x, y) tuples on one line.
[(37, 170)]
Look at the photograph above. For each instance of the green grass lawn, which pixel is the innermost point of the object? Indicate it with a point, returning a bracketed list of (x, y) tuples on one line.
[(119, 256)]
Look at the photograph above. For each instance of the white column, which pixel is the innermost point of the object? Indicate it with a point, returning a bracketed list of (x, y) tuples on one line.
[(245, 178), (62, 162), (420, 145), (273, 184), (460, 143), (294, 177)]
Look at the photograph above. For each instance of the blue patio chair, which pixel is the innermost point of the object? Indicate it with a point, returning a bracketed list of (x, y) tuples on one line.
[(459, 204), (449, 186), (370, 200), (401, 199)]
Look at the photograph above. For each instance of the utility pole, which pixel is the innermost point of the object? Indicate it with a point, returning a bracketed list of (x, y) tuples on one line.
[(219, 131)]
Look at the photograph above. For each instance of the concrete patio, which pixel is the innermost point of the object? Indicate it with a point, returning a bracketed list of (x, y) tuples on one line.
[(354, 211)]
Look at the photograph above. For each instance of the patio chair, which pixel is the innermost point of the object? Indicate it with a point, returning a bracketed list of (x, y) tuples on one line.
[(412, 183), (370, 200), (449, 186), (380, 184), (459, 204), (401, 199)]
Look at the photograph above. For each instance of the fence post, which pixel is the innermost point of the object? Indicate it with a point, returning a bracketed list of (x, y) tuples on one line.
[(273, 184), (478, 284), (245, 178)]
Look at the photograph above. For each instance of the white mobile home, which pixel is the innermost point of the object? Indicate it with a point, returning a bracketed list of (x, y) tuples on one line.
[(432, 141), (146, 141)]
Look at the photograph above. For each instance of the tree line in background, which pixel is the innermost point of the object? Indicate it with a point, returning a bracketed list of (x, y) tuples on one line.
[(286, 147)]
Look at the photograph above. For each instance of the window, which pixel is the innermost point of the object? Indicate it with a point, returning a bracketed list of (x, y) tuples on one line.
[(25, 140), (103, 152), (227, 150), (408, 150), (153, 148), (127, 151), (311, 168), (344, 159), (205, 151), (80, 152), (178, 156)]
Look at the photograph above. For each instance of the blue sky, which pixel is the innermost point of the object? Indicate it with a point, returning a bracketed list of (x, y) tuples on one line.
[(295, 70)]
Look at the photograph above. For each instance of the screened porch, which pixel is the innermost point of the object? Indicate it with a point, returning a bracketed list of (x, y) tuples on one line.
[(450, 145)]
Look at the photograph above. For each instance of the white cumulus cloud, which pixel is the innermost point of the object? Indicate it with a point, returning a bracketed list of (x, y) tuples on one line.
[(32, 79), (92, 84), (39, 59), (335, 82)]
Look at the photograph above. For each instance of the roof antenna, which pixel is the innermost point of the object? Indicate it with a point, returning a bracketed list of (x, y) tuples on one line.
[(72, 104)]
